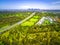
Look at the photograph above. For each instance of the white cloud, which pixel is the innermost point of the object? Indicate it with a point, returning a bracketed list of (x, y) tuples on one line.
[(57, 2), (54, 5), (33, 5)]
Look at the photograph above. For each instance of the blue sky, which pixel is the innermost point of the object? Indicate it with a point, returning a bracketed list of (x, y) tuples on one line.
[(25, 4)]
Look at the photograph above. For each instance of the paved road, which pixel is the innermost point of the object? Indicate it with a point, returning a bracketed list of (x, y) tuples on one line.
[(18, 23)]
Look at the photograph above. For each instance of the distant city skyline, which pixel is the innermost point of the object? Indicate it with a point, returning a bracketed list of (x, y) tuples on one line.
[(26, 4)]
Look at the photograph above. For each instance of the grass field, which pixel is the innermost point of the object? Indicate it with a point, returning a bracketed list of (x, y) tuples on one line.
[(31, 21)]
